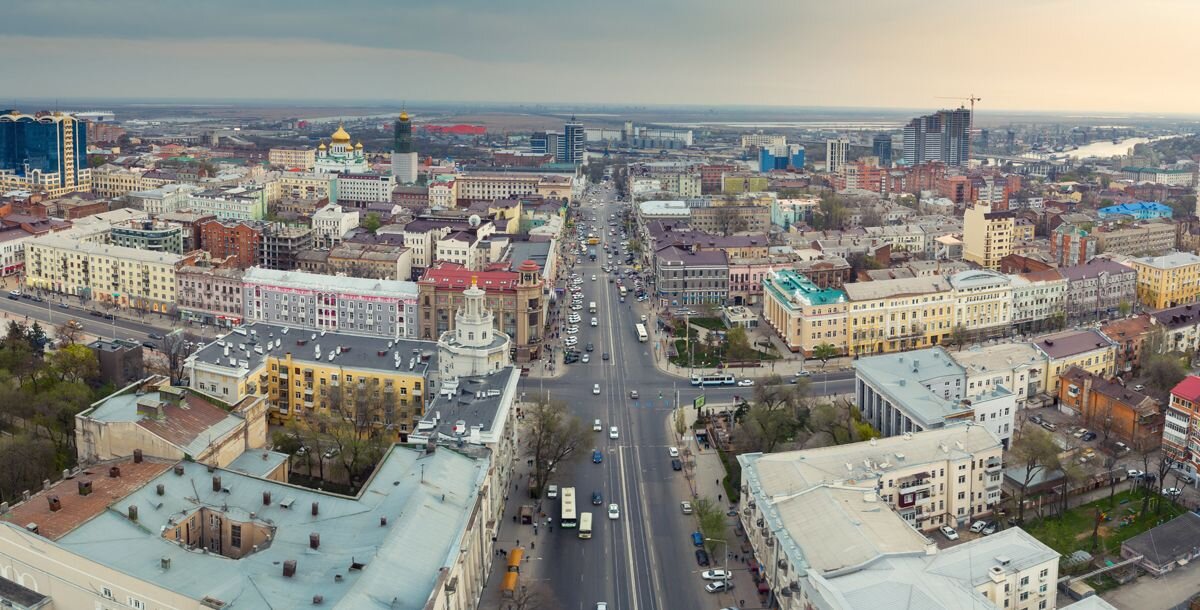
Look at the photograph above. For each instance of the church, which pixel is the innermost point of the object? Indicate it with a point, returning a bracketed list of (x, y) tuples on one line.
[(341, 157)]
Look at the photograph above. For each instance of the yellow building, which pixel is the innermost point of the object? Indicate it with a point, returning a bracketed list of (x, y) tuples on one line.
[(1086, 349), (804, 315), (375, 382), (506, 215), (732, 184), (302, 185), (124, 277), (987, 235), (901, 314), (1168, 280), (293, 158)]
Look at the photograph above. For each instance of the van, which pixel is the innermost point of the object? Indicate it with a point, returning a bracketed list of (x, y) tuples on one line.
[(591, 307), (1049, 425)]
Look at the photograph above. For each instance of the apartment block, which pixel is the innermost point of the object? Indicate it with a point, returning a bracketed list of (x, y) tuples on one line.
[(155, 236), (1181, 425), (230, 203), (1098, 289), (331, 223), (987, 235), (1086, 349), (282, 245), (379, 308), (1149, 238), (516, 298), (1038, 299), (241, 240), (164, 199), (210, 295), (1110, 409), (804, 314), (1167, 280), (901, 314), (124, 277), (983, 302), (293, 158), (683, 277), (357, 190)]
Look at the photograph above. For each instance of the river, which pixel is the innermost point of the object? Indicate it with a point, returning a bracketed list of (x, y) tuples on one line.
[(1106, 149)]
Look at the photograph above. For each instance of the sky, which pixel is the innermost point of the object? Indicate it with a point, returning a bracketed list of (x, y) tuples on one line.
[(1044, 55)]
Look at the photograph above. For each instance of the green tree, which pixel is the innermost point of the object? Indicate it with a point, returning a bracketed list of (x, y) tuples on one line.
[(372, 222), (1164, 371), (1124, 307), (712, 521), (554, 436), (73, 363), (1033, 451), (959, 336), (738, 346), (824, 352)]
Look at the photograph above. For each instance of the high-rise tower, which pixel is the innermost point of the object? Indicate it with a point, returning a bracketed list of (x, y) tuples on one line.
[(46, 152), (404, 158), (573, 142), (945, 137)]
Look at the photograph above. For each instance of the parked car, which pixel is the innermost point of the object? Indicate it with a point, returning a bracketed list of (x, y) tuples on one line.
[(155, 336), (990, 529), (978, 526), (1172, 492), (1090, 436), (1049, 425), (717, 574), (1080, 433), (673, 451), (718, 586), (676, 464), (1138, 387), (702, 558), (697, 539), (686, 507), (948, 532)]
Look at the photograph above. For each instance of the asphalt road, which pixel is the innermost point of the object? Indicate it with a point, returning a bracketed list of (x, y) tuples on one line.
[(644, 560), (51, 315)]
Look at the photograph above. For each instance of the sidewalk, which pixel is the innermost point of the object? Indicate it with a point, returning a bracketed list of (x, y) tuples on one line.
[(708, 467)]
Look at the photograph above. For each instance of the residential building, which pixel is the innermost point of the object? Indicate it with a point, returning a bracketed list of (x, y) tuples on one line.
[(191, 223), (241, 240), (230, 203), (489, 187), (516, 299), (45, 152), (252, 553), (836, 152), (881, 148), (379, 308), (305, 185), (120, 361), (1144, 238), (124, 277), (1100, 288), (1072, 245), (1168, 280), (1181, 425), (1018, 367), (1129, 335), (340, 156), (803, 313), (474, 348), (281, 245), (683, 277), (165, 199), (877, 497), (293, 157), (1038, 300), (825, 271), (739, 183), (1177, 328), (112, 181), (1086, 349), (896, 315), (943, 137), (1111, 410), (983, 302), (155, 236), (726, 219), (572, 143), (209, 294), (1139, 210), (1167, 547), (926, 389), (987, 235), (1169, 177), (152, 418), (331, 224), (359, 190), (375, 261), (763, 140)]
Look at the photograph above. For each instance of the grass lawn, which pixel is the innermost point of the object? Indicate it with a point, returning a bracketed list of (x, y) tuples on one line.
[(709, 323), (1073, 531)]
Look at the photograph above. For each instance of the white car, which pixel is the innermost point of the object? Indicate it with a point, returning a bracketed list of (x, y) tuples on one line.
[(593, 277), (586, 359), (978, 526), (948, 532), (612, 432), (597, 426), (595, 322), (718, 586), (674, 451), (745, 383), (595, 387), (613, 511), (552, 491), (1172, 492), (717, 574)]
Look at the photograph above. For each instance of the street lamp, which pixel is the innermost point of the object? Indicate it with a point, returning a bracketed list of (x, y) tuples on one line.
[(726, 578)]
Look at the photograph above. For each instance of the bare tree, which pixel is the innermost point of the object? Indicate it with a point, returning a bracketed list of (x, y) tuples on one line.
[(534, 596), (555, 436), (176, 347), (68, 332), (1036, 452)]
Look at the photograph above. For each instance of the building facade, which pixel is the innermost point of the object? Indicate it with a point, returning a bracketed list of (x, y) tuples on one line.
[(340, 156), (1168, 280), (238, 239), (1101, 288), (517, 300), (380, 308), (804, 314), (124, 277), (691, 278), (46, 151), (151, 235), (987, 235), (209, 295), (293, 158)]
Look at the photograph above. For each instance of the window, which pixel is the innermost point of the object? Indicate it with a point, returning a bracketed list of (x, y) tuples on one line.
[(106, 592), (137, 604), (235, 536)]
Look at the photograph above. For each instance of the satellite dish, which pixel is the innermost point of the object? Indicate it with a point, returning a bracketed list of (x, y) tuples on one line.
[(474, 220)]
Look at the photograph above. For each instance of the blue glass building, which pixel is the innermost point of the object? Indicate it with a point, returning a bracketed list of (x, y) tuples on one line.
[(47, 150)]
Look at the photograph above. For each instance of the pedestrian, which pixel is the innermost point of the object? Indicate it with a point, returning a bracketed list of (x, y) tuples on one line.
[(718, 497), (514, 518), (518, 542), (532, 545)]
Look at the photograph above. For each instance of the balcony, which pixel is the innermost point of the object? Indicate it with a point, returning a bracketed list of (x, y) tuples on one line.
[(993, 465)]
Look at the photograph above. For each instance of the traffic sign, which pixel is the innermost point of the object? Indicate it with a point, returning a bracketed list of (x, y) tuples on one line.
[(698, 402)]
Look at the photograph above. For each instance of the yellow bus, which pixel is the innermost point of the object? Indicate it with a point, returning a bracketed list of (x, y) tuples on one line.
[(585, 525), (508, 587)]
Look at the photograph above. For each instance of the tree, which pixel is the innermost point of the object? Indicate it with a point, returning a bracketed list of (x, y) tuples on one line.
[(534, 596), (176, 347), (959, 336), (1163, 371), (555, 436), (67, 333), (778, 411), (27, 462), (74, 363), (712, 521), (1166, 461), (728, 219), (372, 222), (824, 352), (1124, 307), (36, 336), (738, 348), (1035, 452)]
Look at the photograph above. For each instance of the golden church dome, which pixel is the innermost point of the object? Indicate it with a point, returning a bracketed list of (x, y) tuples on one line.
[(340, 136), (403, 115), (322, 146), (358, 146)]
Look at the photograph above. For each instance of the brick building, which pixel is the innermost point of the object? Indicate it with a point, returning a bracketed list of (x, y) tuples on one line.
[(240, 239), (517, 299), (1111, 410)]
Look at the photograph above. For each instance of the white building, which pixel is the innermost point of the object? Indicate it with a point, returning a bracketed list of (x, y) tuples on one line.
[(835, 154), (340, 156), (474, 347), (232, 203), (165, 199), (366, 188), (330, 225), (982, 301), (1037, 298), (380, 308)]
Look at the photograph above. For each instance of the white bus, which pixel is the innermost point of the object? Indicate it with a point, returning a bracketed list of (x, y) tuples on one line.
[(641, 332), (623, 291), (714, 379), (569, 518), (585, 525)]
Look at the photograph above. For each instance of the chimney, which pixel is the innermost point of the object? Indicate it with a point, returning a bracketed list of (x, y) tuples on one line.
[(178, 470), (266, 498), (316, 508), (132, 512), (137, 456), (55, 503), (289, 568), (383, 522), (216, 483), (165, 563), (85, 488), (314, 540), (160, 489), (318, 600), (114, 472)]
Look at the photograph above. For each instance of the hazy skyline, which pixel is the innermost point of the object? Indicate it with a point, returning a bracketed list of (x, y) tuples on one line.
[(1055, 55)]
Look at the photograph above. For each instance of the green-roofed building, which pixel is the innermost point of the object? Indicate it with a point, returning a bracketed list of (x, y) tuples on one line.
[(804, 314)]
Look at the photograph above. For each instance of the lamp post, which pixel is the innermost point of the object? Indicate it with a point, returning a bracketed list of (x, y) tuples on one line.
[(726, 568)]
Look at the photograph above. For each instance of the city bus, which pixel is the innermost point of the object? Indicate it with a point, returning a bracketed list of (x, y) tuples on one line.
[(585, 525), (508, 586), (569, 518), (714, 379), (640, 329)]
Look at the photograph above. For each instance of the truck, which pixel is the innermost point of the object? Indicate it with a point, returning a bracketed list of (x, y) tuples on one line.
[(592, 253), (591, 307)]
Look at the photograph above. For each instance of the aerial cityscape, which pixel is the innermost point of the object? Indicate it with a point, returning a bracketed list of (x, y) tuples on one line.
[(521, 306)]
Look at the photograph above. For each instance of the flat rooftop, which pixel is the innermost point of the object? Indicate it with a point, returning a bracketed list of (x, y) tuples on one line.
[(391, 289)]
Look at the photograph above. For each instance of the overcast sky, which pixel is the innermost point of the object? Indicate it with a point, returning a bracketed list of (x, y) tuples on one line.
[(1085, 55)]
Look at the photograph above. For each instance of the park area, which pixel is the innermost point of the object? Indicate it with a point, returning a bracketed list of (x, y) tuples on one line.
[(709, 344)]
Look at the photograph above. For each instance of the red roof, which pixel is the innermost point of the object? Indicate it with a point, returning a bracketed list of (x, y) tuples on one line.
[(1188, 389), (457, 277)]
